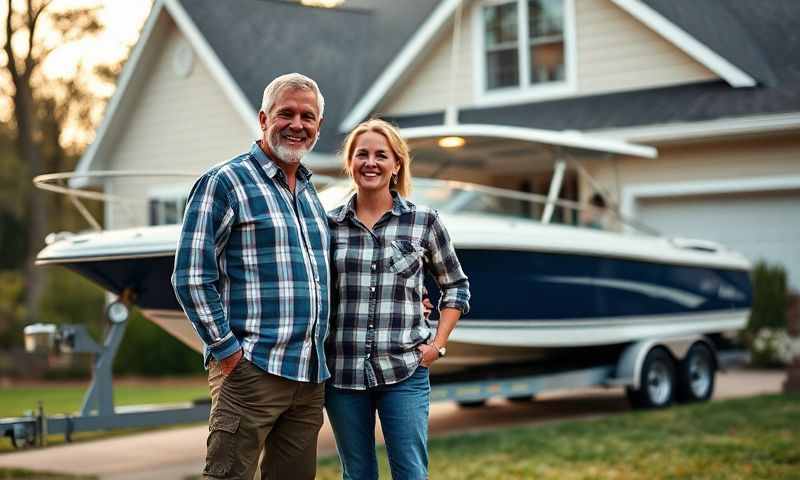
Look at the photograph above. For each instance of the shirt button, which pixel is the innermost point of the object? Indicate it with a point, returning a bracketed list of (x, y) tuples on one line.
[(374, 266), (371, 326), (371, 289)]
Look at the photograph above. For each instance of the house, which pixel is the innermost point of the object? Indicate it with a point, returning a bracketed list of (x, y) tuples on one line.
[(714, 86)]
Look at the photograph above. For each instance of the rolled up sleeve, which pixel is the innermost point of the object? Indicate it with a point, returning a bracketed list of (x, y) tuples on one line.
[(446, 269)]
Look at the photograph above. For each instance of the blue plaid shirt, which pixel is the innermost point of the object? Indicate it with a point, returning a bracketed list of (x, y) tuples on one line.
[(251, 269)]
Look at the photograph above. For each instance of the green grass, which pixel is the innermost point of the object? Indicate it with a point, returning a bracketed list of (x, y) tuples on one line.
[(15, 473), (67, 398), (735, 439)]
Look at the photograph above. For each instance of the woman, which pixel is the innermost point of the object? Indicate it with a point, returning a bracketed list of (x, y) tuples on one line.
[(380, 345)]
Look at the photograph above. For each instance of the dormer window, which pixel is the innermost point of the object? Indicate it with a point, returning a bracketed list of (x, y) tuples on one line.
[(526, 47)]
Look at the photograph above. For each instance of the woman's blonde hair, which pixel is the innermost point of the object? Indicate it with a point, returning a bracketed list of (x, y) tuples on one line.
[(396, 143)]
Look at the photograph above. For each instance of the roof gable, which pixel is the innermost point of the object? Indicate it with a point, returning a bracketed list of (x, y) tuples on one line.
[(342, 49), (704, 30), (134, 72), (246, 43), (716, 25)]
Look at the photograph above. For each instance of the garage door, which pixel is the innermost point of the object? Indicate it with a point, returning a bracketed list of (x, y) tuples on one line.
[(763, 226)]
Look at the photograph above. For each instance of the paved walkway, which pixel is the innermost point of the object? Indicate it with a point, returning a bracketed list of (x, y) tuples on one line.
[(178, 453)]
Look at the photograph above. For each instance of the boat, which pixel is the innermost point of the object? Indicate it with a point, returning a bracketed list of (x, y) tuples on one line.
[(540, 288)]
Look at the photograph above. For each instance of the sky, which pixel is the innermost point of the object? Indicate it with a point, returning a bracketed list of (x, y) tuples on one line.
[(122, 20)]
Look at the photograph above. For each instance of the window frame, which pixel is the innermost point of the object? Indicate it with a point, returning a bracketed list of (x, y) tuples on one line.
[(525, 91)]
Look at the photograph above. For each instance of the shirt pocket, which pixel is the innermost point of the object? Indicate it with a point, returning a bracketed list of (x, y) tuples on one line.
[(405, 258)]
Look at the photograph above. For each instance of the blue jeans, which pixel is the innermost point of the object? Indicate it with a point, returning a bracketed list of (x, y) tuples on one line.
[(403, 409)]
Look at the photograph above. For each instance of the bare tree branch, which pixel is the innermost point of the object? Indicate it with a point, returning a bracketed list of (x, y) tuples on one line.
[(33, 15), (12, 59)]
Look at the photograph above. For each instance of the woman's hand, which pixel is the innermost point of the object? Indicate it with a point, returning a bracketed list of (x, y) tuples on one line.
[(429, 354)]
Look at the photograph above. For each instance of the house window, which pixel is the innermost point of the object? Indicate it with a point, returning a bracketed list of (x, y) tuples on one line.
[(546, 40), (502, 50), (167, 209), (524, 43)]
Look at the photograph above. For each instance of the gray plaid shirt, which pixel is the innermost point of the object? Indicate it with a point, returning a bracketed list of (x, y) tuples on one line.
[(376, 319)]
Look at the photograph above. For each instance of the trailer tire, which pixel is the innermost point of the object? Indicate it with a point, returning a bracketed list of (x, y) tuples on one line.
[(696, 374), (656, 381)]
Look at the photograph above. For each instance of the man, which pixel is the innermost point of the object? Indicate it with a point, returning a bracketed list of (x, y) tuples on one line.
[(251, 274)]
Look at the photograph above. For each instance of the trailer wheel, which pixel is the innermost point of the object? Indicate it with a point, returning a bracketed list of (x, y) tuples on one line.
[(696, 374), (471, 403), (657, 381)]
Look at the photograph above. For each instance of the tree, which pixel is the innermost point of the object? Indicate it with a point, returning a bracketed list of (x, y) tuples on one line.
[(24, 55)]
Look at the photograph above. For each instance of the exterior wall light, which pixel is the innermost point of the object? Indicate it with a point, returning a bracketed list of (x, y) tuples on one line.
[(451, 142), (322, 3)]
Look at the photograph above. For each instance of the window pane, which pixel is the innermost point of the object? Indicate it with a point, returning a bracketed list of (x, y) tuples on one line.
[(502, 69), (546, 29), (500, 24), (545, 18), (171, 214), (547, 62)]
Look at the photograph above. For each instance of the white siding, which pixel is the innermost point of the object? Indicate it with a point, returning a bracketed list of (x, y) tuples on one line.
[(427, 87), (614, 52), (185, 124), (734, 159), (617, 52)]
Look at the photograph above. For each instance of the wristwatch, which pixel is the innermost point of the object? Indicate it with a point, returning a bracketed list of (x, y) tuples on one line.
[(442, 350)]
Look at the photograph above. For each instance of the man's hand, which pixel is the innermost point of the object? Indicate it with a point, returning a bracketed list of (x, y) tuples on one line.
[(229, 363), (429, 354)]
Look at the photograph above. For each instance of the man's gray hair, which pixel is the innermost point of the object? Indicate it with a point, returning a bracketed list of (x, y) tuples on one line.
[(294, 81)]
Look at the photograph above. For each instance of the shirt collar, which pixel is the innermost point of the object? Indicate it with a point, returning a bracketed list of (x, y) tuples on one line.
[(399, 206), (272, 169)]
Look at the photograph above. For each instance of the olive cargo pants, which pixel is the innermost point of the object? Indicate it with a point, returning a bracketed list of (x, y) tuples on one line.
[(251, 411)]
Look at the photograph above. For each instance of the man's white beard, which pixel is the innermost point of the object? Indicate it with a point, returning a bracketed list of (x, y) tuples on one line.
[(288, 155)]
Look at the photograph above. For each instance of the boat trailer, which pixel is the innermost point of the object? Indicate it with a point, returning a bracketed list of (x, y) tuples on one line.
[(98, 411)]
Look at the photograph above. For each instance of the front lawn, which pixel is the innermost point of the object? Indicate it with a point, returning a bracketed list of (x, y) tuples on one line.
[(734, 439)]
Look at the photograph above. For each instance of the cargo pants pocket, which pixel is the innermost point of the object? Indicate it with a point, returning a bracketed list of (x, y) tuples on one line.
[(222, 445)]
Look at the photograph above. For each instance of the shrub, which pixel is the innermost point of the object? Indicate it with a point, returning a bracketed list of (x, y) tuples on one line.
[(148, 350), (12, 287), (766, 335), (770, 297)]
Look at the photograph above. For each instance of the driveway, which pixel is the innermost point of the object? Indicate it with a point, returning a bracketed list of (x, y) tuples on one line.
[(178, 453)]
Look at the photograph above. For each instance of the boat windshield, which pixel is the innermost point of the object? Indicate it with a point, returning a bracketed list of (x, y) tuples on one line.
[(465, 198)]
